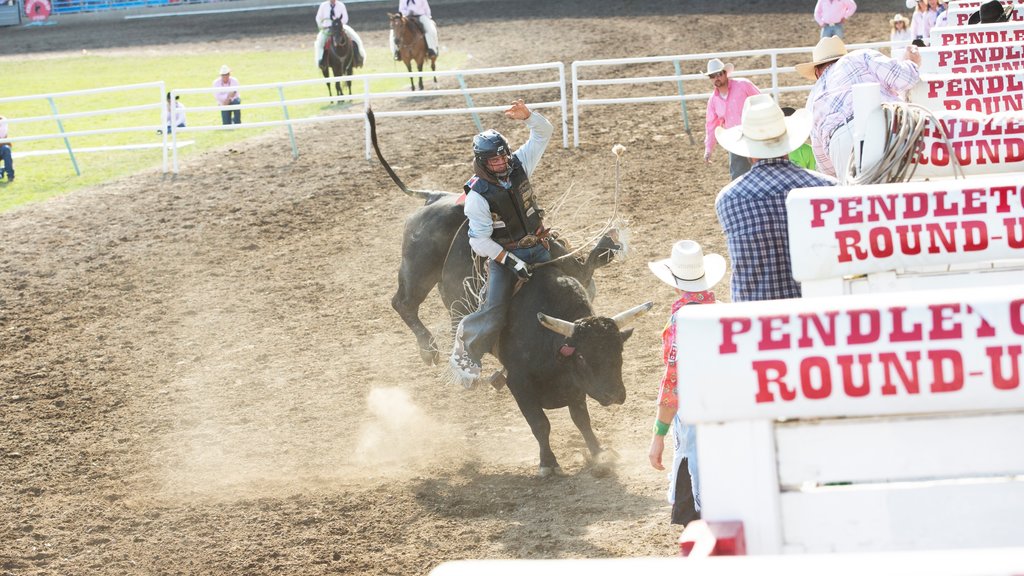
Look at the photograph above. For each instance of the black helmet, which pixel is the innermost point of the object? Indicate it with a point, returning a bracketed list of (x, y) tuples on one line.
[(489, 144)]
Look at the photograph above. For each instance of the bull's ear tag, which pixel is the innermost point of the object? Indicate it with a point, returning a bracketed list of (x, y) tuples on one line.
[(566, 351)]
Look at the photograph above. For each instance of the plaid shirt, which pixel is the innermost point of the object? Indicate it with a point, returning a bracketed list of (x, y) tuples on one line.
[(752, 212), (668, 395), (831, 98)]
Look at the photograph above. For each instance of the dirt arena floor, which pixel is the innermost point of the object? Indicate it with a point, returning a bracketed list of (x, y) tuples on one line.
[(203, 373)]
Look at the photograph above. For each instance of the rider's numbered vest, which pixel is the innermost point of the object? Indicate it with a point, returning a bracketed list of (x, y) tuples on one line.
[(514, 211)]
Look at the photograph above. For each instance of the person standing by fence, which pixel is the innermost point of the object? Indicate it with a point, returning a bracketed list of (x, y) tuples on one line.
[(174, 114), (418, 10), (5, 152), (832, 14), (724, 108), (227, 97), (692, 275)]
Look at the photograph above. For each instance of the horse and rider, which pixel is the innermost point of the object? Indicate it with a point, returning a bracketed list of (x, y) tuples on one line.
[(417, 11), (328, 12)]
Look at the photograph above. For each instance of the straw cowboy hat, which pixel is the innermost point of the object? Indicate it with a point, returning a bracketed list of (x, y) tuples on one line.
[(900, 18), (225, 70), (990, 12), (689, 268), (715, 66), (764, 130), (826, 50)]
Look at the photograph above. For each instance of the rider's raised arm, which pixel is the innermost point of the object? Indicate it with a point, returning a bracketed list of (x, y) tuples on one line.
[(540, 134)]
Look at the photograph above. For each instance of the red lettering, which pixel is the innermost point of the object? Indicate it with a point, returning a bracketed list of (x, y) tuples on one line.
[(848, 242), (851, 213), (941, 381), (820, 207), (901, 334), (730, 328), (852, 389), (827, 336), (999, 380), (975, 235), (891, 362), (771, 372), (860, 334), (943, 326), (1016, 321), (820, 365), (771, 326)]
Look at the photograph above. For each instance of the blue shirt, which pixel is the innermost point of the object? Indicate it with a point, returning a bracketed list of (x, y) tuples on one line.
[(752, 212)]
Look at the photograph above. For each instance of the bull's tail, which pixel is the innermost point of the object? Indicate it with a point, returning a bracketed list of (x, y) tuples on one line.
[(421, 194)]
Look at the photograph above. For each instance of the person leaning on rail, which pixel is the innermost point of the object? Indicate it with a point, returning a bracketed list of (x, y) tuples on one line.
[(835, 72)]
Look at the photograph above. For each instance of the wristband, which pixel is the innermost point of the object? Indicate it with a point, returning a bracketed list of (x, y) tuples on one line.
[(660, 428)]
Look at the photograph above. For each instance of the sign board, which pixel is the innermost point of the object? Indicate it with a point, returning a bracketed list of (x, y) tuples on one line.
[(986, 145), (972, 58), (960, 12), (843, 231), (987, 93), (978, 34), (901, 353)]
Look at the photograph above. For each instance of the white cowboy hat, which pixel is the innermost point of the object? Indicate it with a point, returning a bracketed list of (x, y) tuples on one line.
[(826, 50), (764, 130), (715, 66), (225, 70), (899, 18), (688, 268)]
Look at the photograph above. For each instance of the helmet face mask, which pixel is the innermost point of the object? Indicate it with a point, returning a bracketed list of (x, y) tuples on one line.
[(491, 152)]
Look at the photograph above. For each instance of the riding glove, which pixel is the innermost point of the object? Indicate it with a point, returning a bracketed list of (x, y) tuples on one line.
[(510, 261)]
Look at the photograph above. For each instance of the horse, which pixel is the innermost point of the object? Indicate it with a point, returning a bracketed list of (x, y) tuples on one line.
[(339, 56), (412, 45)]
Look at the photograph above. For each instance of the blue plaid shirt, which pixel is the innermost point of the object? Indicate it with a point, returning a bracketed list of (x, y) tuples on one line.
[(752, 212)]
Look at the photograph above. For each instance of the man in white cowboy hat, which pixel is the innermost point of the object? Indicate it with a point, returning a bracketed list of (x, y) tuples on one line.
[(693, 275), (752, 209), (724, 108), (227, 96), (835, 72), (832, 14)]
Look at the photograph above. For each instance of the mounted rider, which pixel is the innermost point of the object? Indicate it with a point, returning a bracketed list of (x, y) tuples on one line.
[(335, 10), (505, 226), (418, 10)]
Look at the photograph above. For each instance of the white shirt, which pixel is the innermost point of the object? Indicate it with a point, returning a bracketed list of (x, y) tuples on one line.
[(325, 13), (414, 8), (478, 211), (177, 114)]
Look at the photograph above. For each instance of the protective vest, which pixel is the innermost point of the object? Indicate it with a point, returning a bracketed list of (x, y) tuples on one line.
[(514, 211)]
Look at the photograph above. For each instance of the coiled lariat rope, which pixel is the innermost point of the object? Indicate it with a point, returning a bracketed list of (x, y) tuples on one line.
[(905, 125), (609, 225)]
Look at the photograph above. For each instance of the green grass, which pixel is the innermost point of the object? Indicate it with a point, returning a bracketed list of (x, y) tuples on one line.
[(42, 177)]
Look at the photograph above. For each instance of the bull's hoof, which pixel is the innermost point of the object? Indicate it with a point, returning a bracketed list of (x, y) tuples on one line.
[(431, 356), (548, 471), (604, 463)]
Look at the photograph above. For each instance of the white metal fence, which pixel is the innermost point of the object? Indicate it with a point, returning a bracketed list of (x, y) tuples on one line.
[(619, 79), (617, 73), (555, 69), (112, 116)]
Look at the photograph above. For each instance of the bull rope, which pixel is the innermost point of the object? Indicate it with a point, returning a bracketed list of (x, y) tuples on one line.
[(609, 225), (905, 126)]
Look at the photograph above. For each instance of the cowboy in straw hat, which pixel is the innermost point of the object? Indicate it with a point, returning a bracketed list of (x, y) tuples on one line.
[(752, 209), (692, 274), (227, 96), (724, 108), (835, 72)]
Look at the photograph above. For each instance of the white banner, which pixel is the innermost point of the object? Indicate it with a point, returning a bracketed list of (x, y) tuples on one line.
[(988, 93), (972, 58), (930, 351), (844, 231), (995, 33)]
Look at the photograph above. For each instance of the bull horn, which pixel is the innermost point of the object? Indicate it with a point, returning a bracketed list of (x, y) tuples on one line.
[(556, 325), (623, 319)]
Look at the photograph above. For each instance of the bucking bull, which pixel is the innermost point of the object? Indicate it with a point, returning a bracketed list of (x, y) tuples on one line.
[(555, 349)]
